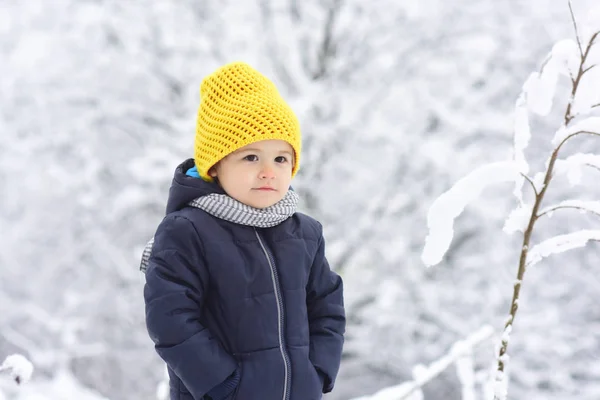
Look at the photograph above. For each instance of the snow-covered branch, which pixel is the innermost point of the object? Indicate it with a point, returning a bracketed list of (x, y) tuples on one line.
[(424, 374), (450, 205), (587, 126), (574, 20), (572, 166), (19, 367), (560, 244), (585, 206), (531, 183), (570, 59), (582, 71)]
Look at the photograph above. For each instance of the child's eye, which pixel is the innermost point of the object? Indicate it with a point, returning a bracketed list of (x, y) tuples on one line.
[(251, 157), (281, 159)]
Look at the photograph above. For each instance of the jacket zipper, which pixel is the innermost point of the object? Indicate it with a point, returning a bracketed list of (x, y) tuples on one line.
[(281, 319)]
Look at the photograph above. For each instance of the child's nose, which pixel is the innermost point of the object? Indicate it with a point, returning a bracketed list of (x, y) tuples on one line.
[(267, 172)]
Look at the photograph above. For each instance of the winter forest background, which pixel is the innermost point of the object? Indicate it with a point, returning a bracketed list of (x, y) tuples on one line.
[(397, 99)]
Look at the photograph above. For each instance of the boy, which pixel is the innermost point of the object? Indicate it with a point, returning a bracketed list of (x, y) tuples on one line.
[(240, 300)]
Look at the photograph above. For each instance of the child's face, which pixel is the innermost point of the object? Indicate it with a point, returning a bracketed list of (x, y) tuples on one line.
[(258, 174)]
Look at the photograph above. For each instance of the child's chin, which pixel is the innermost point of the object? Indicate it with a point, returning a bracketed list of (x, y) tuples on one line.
[(262, 203)]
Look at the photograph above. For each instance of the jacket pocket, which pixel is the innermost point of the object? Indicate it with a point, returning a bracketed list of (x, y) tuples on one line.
[(234, 395)]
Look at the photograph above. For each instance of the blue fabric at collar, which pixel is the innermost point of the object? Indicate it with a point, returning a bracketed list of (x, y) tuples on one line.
[(193, 172)]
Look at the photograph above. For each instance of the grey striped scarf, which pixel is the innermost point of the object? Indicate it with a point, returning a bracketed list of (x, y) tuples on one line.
[(229, 209)]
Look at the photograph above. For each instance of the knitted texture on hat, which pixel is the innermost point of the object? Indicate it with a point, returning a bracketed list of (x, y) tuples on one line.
[(239, 106)]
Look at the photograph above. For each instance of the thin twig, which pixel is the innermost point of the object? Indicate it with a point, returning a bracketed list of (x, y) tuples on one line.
[(587, 69), (551, 209), (576, 30), (575, 134), (593, 166), (584, 55), (596, 105), (528, 179), (514, 304)]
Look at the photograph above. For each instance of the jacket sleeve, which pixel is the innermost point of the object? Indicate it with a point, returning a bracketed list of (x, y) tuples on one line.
[(174, 295), (326, 318)]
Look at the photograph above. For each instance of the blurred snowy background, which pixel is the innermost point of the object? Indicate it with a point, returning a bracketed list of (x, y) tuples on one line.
[(397, 99)]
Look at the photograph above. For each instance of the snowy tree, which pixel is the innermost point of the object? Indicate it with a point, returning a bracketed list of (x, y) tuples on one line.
[(578, 61), (396, 99), (19, 368)]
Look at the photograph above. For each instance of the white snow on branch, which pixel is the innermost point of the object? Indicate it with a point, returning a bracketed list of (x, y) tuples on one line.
[(501, 385), (63, 385), (583, 206), (588, 94), (19, 367), (506, 333), (522, 133), (404, 391), (540, 88), (567, 59), (590, 25), (572, 166), (522, 136), (560, 244), (447, 207), (465, 370), (500, 390), (591, 124), (423, 374), (518, 219)]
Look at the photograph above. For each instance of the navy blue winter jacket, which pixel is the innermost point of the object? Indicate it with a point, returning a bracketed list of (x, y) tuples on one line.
[(239, 312)]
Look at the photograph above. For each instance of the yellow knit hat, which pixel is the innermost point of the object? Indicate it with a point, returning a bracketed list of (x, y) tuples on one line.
[(239, 106)]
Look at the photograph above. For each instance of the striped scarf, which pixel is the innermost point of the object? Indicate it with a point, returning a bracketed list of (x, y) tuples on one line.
[(229, 209)]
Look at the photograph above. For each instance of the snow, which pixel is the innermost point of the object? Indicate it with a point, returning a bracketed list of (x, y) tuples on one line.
[(590, 124), (506, 333), (163, 390), (522, 136), (565, 54), (98, 101), (572, 166), (63, 386), (450, 205), (588, 95), (20, 368), (540, 88), (583, 206), (459, 354), (560, 244), (518, 219), (589, 25), (404, 391), (501, 385), (465, 370)]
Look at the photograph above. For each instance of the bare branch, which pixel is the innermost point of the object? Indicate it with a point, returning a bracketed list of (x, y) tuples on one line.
[(528, 179), (523, 258), (459, 350), (596, 105), (523, 263), (561, 207), (593, 166), (576, 30), (591, 43), (587, 69), (577, 80), (575, 134)]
